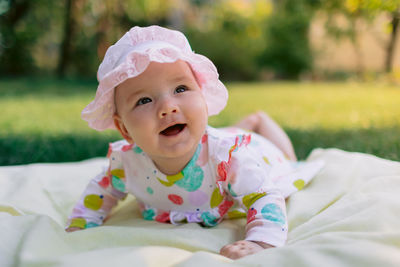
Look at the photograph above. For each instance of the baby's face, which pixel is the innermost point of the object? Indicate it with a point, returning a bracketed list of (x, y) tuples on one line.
[(162, 110)]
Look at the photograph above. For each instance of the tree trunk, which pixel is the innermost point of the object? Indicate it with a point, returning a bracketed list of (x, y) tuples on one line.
[(392, 41), (14, 44), (65, 49)]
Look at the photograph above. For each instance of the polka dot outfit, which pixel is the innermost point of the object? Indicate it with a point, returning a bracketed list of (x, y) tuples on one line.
[(232, 174)]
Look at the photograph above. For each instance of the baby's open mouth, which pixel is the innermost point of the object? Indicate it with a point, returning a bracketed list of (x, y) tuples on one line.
[(173, 130)]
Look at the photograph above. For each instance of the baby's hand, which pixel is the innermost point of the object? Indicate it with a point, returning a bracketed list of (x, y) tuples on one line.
[(242, 248), (72, 229)]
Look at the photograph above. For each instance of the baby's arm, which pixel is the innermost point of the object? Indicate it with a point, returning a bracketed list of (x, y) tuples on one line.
[(246, 179), (95, 204), (100, 196), (245, 175), (266, 224)]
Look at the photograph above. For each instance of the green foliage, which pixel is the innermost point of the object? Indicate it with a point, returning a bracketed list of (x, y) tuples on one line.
[(241, 37), (41, 121), (353, 10), (230, 33), (288, 52), (233, 56), (21, 26), (4, 6)]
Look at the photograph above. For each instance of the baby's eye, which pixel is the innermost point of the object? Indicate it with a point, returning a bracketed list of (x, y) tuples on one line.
[(181, 89), (142, 101)]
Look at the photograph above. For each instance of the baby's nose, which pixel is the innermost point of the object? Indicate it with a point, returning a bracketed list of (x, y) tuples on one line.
[(167, 107), (163, 114)]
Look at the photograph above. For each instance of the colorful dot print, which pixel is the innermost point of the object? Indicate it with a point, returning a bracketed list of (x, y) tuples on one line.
[(222, 170), (224, 207), (137, 150), (249, 200), (127, 147), (193, 178), (149, 190), (231, 190), (204, 138), (148, 214), (251, 215), (78, 222), (213, 185), (105, 182), (209, 219), (171, 179), (90, 225), (299, 184), (193, 174), (118, 184), (198, 198), (177, 200), (190, 178), (235, 214), (216, 198), (163, 217), (119, 173), (274, 213), (93, 202)]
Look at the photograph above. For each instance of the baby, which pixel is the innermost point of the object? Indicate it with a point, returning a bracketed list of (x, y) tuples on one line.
[(158, 94)]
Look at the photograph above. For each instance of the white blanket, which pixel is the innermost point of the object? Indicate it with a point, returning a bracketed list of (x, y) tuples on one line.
[(349, 215)]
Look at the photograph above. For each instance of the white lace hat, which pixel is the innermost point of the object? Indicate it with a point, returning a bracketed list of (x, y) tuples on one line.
[(132, 54)]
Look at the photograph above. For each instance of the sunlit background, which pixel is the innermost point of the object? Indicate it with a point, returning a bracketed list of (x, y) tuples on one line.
[(327, 70)]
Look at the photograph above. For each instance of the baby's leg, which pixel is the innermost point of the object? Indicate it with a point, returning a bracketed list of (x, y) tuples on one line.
[(262, 124)]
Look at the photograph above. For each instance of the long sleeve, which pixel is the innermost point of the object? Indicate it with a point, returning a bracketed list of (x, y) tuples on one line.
[(245, 176), (101, 194)]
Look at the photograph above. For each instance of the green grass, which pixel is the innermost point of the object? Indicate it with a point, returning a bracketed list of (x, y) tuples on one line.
[(40, 118)]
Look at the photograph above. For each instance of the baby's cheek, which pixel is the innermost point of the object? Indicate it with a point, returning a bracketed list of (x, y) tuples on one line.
[(198, 105)]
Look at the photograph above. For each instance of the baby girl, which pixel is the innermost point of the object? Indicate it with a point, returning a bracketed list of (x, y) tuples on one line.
[(158, 94)]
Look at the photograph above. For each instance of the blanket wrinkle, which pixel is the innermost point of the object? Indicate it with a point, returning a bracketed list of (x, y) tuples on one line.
[(347, 216), (14, 211), (329, 204), (19, 248), (51, 199)]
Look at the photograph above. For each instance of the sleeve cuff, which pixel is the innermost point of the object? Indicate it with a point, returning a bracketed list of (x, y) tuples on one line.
[(272, 234)]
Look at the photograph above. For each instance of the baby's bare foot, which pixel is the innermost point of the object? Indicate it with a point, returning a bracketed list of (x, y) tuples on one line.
[(264, 123), (250, 122)]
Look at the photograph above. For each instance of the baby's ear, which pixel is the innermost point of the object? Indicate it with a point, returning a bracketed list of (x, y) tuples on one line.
[(119, 124)]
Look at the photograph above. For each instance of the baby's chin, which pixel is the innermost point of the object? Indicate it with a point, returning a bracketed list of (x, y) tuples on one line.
[(179, 150)]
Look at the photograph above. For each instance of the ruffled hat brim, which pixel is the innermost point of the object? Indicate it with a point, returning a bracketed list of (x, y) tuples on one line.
[(131, 56)]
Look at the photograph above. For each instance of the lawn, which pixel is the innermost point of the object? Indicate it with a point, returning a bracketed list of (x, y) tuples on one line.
[(40, 118)]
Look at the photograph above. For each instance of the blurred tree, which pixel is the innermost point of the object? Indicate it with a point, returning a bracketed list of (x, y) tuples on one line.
[(288, 52), (15, 39), (97, 26), (22, 24), (362, 10), (66, 44), (394, 29), (230, 33)]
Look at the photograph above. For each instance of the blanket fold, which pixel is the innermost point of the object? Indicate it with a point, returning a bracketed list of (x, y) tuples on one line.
[(347, 216)]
